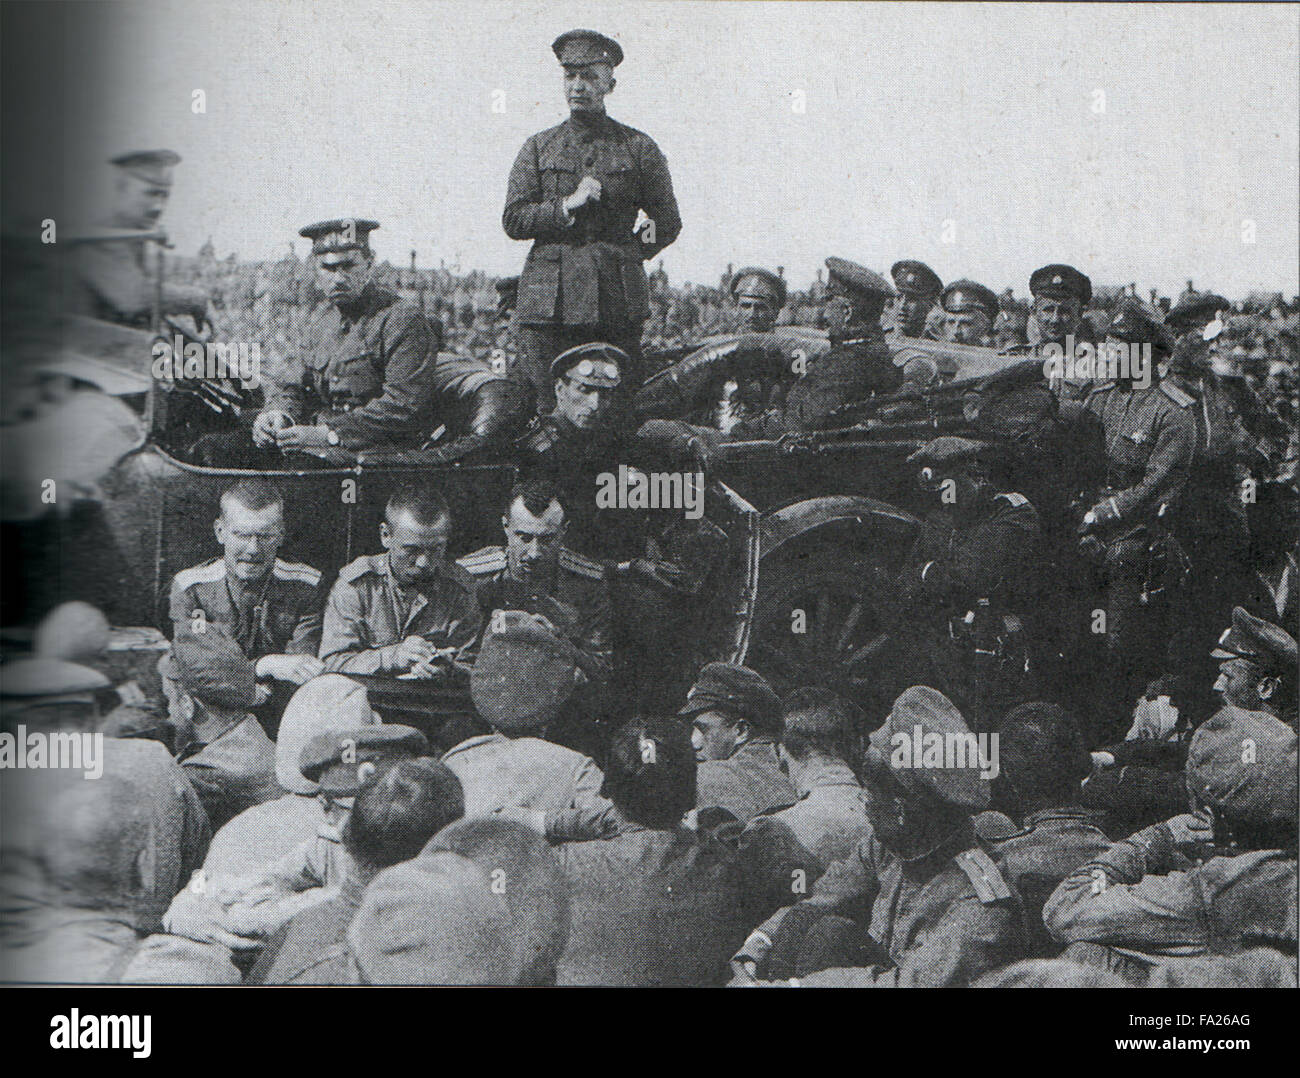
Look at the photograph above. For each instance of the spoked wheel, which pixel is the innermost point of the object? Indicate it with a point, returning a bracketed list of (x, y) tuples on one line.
[(840, 608)]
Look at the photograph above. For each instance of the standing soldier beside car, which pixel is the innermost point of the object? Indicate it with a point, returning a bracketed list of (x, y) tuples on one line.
[(575, 190)]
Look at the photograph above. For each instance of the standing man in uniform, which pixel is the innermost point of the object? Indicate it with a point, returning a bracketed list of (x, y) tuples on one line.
[(918, 289), (1150, 438), (575, 190), (759, 295), (111, 281), (368, 377), (968, 313)]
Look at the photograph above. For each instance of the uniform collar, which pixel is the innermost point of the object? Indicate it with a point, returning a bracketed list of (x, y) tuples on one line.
[(1064, 812), (824, 774)]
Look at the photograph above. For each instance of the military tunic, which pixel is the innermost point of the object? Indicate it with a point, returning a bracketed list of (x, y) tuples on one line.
[(745, 784), (1145, 900), (577, 603), (368, 371), (112, 284), (279, 616), (942, 921), (855, 368), (368, 614)]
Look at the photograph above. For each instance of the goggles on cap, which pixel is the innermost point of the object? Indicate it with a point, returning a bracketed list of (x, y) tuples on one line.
[(595, 368)]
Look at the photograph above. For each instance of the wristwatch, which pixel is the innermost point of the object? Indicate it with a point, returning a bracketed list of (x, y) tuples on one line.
[(331, 436)]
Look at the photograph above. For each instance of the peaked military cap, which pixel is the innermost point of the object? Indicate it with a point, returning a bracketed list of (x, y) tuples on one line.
[(737, 689), (340, 761), (1243, 763), (33, 680), (915, 278), (596, 364), (758, 283), (967, 295), (858, 279), (1058, 281), (578, 47), (152, 166), (524, 675), (1196, 310), (339, 234), (928, 711), (1260, 642)]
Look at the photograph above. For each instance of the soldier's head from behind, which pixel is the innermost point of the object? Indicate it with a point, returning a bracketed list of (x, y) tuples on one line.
[(650, 773), (586, 379), (1257, 670), (50, 694), (968, 313), (1042, 760), (399, 808), (524, 675), (534, 524), (1241, 767), (918, 288), (342, 257), (817, 726), (588, 60), (1060, 295), (141, 187), (250, 528), (415, 531), (728, 707), (759, 295), (923, 774)]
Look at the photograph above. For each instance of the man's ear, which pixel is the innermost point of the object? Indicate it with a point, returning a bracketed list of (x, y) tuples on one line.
[(1266, 687), (385, 533), (505, 524), (219, 530), (612, 83), (559, 384), (743, 731)]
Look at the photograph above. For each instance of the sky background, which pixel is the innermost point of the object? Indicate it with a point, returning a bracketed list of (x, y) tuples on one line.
[(915, 114)]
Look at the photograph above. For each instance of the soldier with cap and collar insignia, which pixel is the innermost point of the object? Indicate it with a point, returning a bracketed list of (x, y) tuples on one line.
[(536, 573), (111, 281), (759, 295), (368, 376), (858, 365), (968, 313), (920, 903), (918, 290), (1258, 672), (575, 190), (1149, 435)]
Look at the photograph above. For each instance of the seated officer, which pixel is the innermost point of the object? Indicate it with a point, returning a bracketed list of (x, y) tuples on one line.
[(535, 572), (408, 610), (969, 310), (858, 365), (759, 295), (369, 374), (267, 608), (919, 903), (735, 717), (918, 288)]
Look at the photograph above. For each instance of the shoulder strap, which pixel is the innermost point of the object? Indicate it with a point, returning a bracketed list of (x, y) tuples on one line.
[(1178, 396), (1016, 500), (491, 559), (984, 876), (581, 564)]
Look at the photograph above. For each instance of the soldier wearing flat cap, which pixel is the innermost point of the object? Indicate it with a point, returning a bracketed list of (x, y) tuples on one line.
[(1157, 897), (966, 597), (576, 191), (735, 718), (111, 279), (918, 290), (368, 376), (858, 365), (918, 904), (759, 295), (1259, 666), (968, 313)]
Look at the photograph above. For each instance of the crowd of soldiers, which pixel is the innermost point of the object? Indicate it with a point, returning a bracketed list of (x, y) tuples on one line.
[(1094, 559)]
